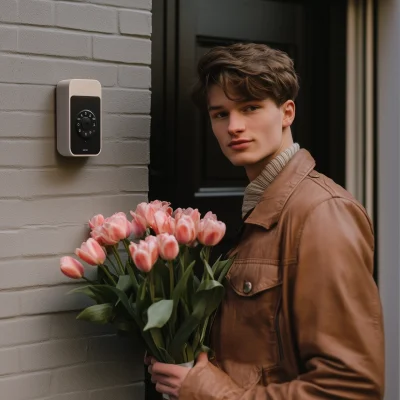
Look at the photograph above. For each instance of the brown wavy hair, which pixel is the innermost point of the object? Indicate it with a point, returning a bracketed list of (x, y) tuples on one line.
[(247, 72)]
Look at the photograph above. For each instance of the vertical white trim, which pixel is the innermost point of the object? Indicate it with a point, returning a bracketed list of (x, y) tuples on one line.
[(360, 102), (351, 100), (369, 108)]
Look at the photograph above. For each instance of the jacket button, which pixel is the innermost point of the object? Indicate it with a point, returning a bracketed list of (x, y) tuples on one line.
[(247, 286)]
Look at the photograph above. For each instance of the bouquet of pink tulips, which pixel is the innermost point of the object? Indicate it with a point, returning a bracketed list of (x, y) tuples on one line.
[(148, 285)]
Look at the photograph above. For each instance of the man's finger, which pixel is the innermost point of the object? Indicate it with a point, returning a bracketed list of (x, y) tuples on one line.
[(166, 390), (202, 359)]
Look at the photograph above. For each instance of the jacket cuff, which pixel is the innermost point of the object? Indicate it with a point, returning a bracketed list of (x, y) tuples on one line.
[(208, 383)]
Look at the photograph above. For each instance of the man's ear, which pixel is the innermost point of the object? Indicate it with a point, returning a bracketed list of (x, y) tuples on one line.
[(289, 112)]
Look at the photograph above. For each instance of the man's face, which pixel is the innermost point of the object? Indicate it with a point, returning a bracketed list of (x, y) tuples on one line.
[(250, 133)]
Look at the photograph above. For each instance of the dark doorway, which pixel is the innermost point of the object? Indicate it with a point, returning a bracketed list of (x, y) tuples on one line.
[(187, 167)]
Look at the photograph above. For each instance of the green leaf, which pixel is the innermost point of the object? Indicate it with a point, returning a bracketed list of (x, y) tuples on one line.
[(132, 275), (182, 285), (99, 313), (143, 301), (209, 295), (215, 266), (158, 314), (208, 270), (224, 268), (167, 358), (124, 283), (93, 291)]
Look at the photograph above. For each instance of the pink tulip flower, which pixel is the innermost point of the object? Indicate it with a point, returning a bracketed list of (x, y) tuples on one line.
[(91, 252), (138, 225), (210, 215), (192, 213), (211, 231), (114, 229), (185, 231), (144, 254), (96, 221), (163, 223), (168, 246), (147, 210), (71, 267)]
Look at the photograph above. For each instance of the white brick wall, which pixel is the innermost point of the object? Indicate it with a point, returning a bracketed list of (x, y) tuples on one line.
[(45, 199)]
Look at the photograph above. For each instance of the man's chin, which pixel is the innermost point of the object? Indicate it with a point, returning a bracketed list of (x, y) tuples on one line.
[(241, 161)]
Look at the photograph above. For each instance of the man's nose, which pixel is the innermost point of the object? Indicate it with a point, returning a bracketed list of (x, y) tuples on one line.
[(236, 124)]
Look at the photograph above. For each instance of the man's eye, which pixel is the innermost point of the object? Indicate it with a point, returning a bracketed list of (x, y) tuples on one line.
[(251, 108), (220, 115)]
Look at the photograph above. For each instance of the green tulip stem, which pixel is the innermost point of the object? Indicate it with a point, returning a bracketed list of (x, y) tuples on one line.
[(118, 258), (151, 285), (112, 263), (207, 251), (126, 245), (171, 278), (88, 280), (107, 272)]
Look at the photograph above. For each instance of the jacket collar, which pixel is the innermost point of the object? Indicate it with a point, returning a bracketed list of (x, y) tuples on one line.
[(268, 210)]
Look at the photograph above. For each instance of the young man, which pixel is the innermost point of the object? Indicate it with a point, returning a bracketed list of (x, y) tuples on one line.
[(301, 319)]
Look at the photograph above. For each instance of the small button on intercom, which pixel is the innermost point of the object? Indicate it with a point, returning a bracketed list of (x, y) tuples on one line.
[(79, 117)]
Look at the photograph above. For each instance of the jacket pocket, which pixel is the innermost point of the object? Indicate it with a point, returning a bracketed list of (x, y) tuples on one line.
[(246, 330)]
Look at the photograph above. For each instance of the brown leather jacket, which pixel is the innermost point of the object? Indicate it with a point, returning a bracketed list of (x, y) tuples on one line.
[(302, 317)]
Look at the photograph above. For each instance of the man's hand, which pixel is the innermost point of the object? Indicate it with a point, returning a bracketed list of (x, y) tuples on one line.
[(168, 377)]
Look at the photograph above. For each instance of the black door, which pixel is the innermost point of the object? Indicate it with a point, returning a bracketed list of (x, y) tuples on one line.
[(187, 167)]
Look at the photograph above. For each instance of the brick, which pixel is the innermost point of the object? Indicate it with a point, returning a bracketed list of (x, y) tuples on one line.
[(8, 39), (65, 325), (22, 69), (116, 348), (123, 153), (11, 215), (9, 306), (51, 42), (27, 125), (93, 376), (126, 101), (52, 354), (134, 77), (52, 240), (9, 244), (52, 299), (8, 10), (69, 396), (123, 49), (142, 4), (86, 17), (109, 205), (135, 22), (124, 126), (133, 179), (135, 391), (29, 273), (24, 387), (9, 363), (27, 153), (24, 330), (26, 97), (61, 181), (36, 12)]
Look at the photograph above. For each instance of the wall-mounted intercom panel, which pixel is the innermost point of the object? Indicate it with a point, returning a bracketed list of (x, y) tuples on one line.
[(79, 117)]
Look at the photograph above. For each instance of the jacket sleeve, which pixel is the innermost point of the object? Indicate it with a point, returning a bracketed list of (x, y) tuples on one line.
[(336, 314)]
